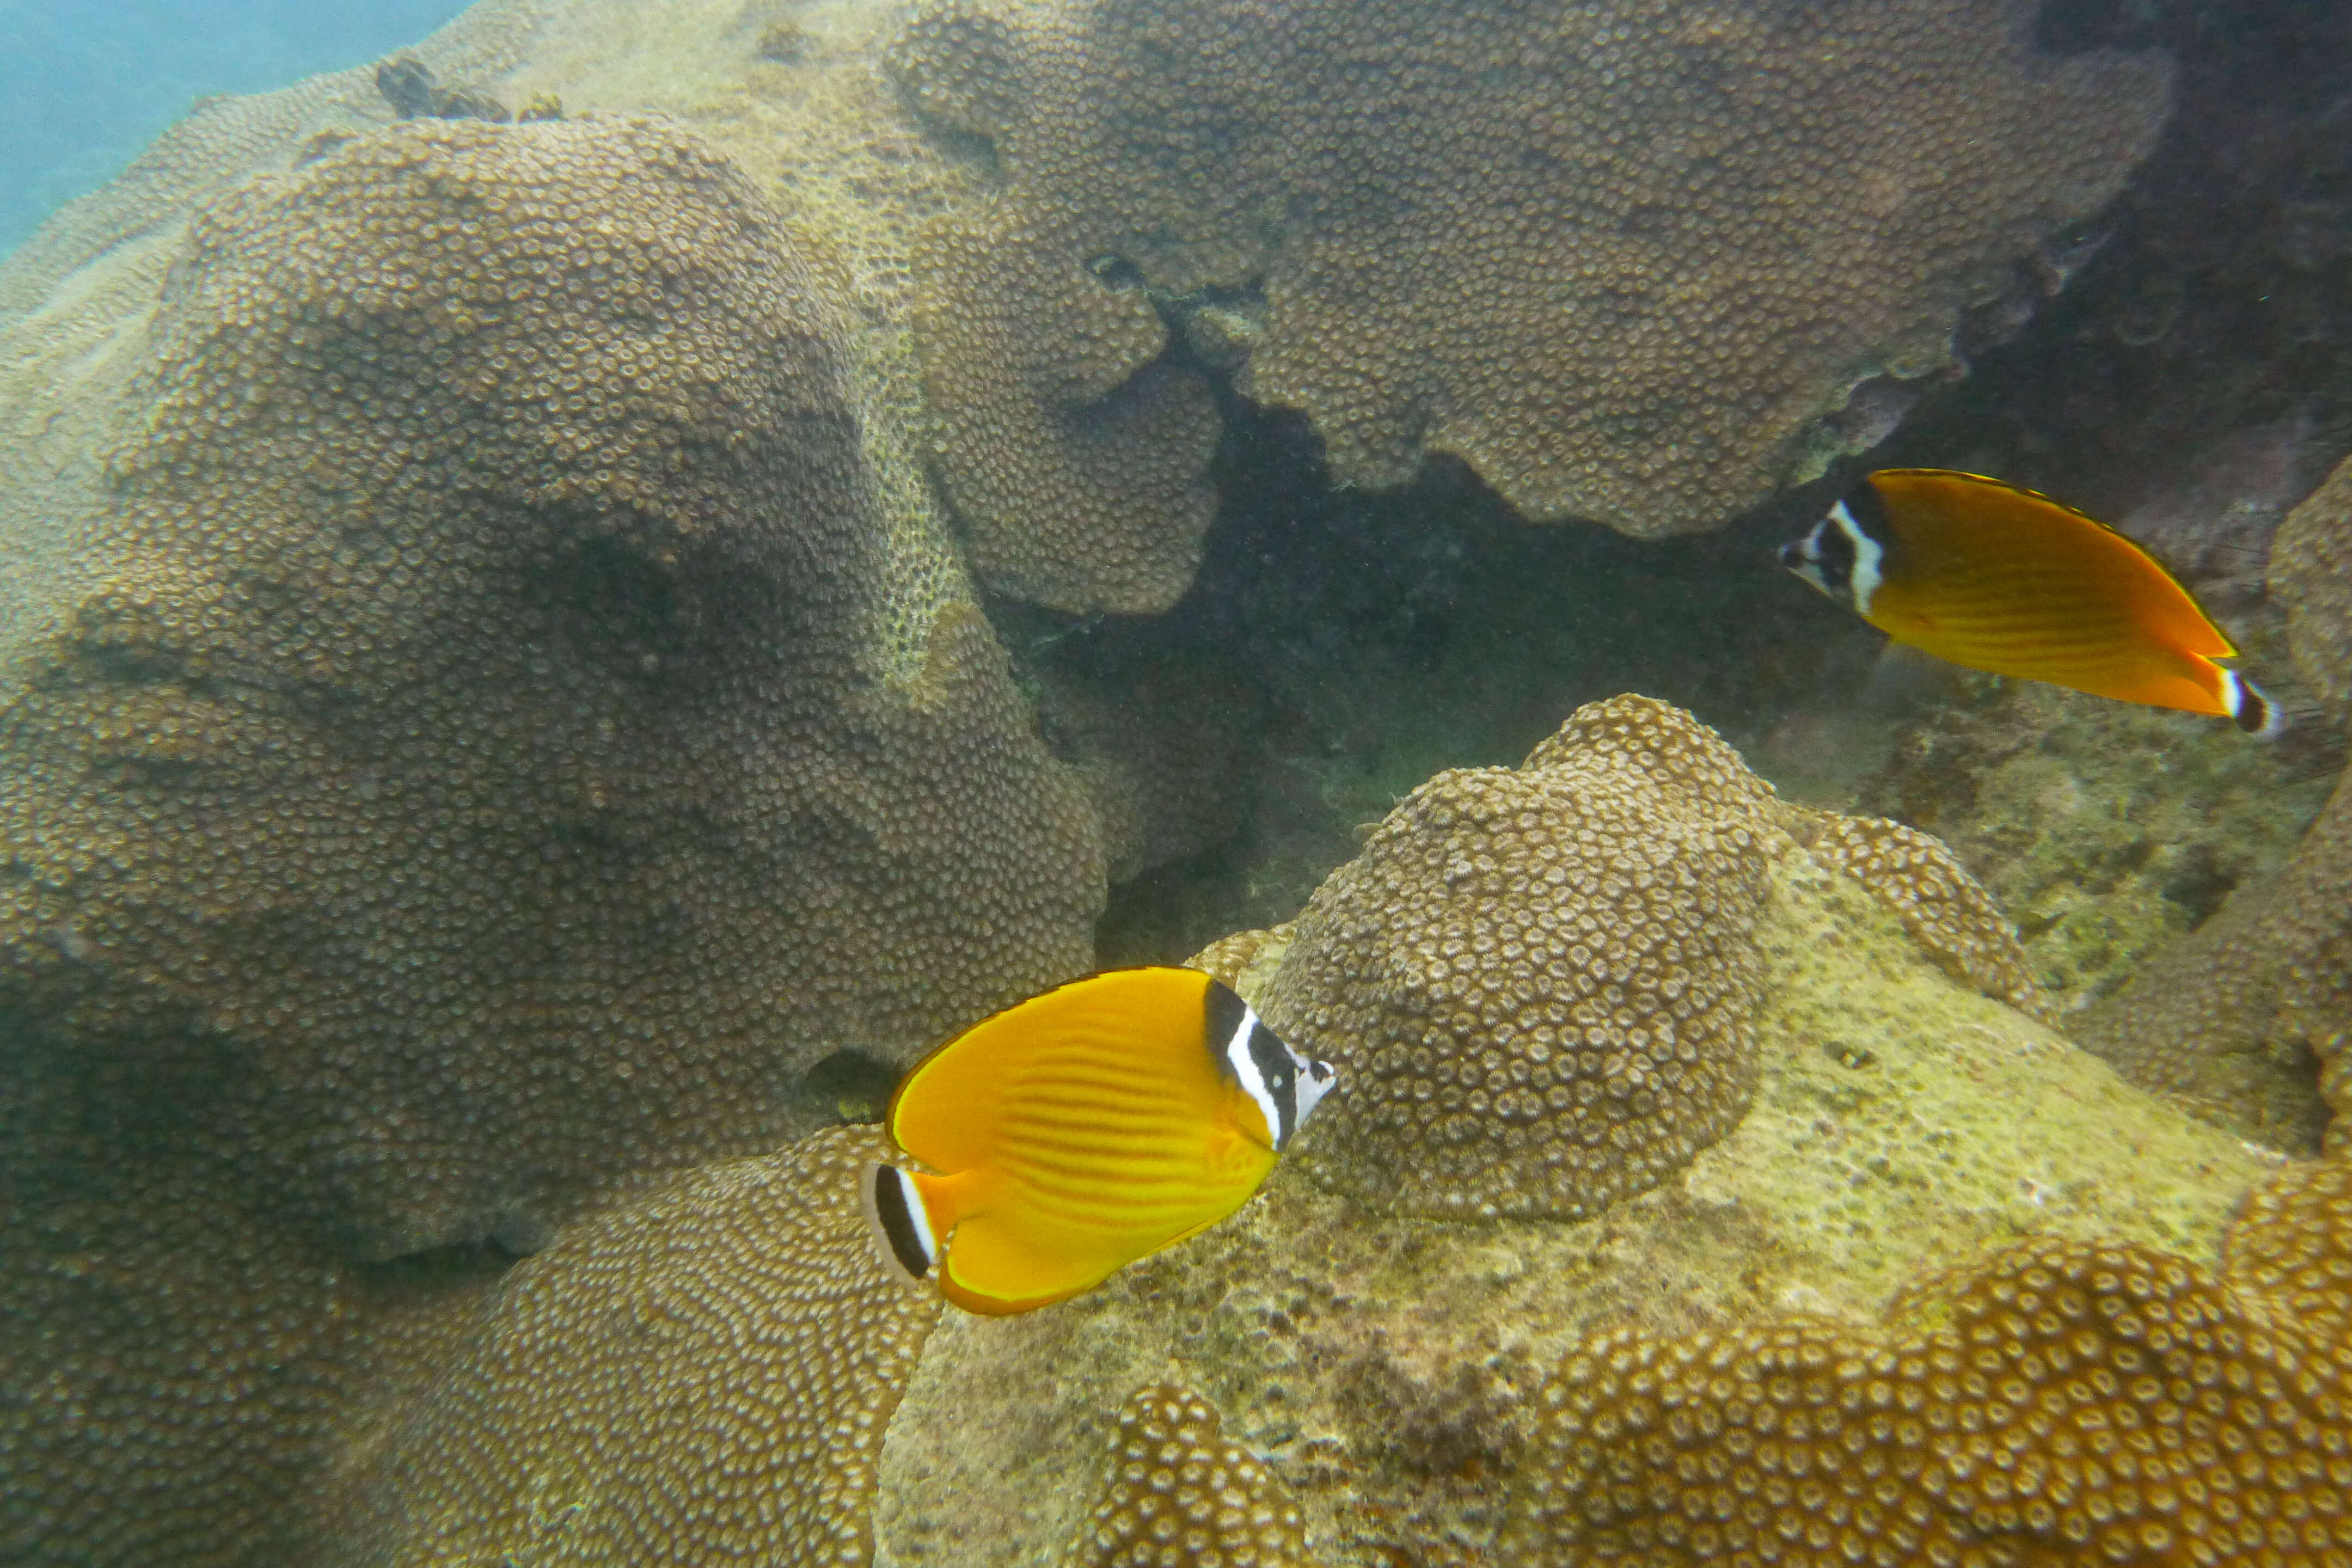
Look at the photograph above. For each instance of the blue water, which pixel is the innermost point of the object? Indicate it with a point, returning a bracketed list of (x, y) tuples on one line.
[(86, 84)]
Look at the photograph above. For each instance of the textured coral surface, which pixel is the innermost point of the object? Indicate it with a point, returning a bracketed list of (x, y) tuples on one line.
[(1539, 983), (2245, 1012), (1178, 1496), (702, 1374), (2061, 1403), (2258, 996), (2310, 572), (471, 695), (2104, 830), (1542, 982), (1624, 260)]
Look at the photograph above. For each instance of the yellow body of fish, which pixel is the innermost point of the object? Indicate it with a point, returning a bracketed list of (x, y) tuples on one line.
[(1081, 1129), (1986, 574)]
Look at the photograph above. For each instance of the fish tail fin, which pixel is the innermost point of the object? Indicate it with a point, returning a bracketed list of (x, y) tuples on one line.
[(2251, 708), (910, 1224)]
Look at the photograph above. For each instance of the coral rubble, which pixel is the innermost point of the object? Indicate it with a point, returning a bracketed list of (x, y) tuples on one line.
[(1630, 263)]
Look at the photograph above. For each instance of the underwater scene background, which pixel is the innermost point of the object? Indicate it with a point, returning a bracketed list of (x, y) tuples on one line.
[(578, 595), (86, 84)]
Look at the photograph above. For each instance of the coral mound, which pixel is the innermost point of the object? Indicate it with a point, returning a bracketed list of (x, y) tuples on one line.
[(2064, 1402), (1629, 261), (2231, 1018), (1539, 982), (703, 1374), (1178, 1497), (468, 706)]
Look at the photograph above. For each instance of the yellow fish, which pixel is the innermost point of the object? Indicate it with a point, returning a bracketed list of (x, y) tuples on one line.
[(2001, 579), (1076, 1132)]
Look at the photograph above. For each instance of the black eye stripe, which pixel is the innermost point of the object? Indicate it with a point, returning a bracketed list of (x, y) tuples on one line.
[(1272, 1058), (1836, 553)]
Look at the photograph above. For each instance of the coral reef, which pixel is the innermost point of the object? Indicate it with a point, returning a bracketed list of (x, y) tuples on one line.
[(2311, 573), (2061, 1402), (408, 85), (177, 1363), (1179, 1496), (474, 693), (2189, 385), (2104, 830), (128, 232), (1383, 1365), (2239, 1017), (1944, 907), (1539, 981), (1503, 234), (166, 1372), (490, 714), (702, 1372)]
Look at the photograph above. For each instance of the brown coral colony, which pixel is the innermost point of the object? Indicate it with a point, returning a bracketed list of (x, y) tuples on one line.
[(1627, 262), (2064, 1402)]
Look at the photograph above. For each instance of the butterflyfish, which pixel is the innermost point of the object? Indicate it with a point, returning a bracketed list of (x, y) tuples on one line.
[(1079, 1131), (2002, 579)]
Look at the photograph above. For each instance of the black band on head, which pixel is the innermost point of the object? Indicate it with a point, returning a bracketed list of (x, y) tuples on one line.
[(1836, 556), (1869, 512), (1223, 1012)]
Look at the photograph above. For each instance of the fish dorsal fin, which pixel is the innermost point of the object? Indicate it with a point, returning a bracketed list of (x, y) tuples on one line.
[(948, 1110), (1946, 521)]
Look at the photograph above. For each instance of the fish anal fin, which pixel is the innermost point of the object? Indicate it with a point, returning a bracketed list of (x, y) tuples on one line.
[(993, 1268)]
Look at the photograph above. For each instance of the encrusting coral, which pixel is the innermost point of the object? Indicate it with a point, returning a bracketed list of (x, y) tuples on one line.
[(1541, 980), (468, 707), (2061, 1403), (178, 1362), (1179, 1496), (701, 1374), (1629, 262), (1940, 904)]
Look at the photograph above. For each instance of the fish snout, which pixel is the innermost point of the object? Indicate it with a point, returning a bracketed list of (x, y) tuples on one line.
[(1796, 554)]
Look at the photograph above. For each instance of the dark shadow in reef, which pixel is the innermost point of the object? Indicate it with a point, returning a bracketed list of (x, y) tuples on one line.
[(1387, 635)]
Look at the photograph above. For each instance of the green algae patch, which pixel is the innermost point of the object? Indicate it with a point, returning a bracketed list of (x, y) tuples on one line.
[(1901, 1118)]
